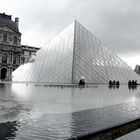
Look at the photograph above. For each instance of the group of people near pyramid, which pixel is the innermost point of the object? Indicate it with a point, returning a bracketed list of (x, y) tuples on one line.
[(132, 83), (111, 83)]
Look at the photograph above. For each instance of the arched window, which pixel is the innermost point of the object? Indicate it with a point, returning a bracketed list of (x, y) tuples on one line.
[(4, 58), (15, 40), (3, 74)]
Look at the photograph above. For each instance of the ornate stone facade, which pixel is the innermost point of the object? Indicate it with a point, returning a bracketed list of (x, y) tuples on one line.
[(137, 69), (12, 53)]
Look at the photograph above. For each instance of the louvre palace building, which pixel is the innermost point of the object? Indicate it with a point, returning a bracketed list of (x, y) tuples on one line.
[(12, 53)]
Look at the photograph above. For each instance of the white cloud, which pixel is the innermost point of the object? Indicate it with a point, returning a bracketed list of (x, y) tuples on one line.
[(132, 60)]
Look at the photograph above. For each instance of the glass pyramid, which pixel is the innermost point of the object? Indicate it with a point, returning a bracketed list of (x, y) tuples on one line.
[(72, 54)]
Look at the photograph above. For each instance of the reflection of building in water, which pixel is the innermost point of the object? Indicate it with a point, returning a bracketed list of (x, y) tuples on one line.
[(12, 53), (73, 53), (137, 69), (8, 130)]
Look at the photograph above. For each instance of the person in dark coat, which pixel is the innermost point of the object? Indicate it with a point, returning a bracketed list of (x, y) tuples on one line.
[(110, 83)]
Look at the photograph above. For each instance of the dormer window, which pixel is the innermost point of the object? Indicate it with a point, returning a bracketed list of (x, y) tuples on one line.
[(15, 40), (4, 38), (10, 37)]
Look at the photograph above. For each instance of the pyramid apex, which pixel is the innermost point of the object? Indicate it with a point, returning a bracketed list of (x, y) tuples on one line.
[(75, 21)]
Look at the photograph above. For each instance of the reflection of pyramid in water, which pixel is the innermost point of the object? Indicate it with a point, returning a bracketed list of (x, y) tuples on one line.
[(73, 53)]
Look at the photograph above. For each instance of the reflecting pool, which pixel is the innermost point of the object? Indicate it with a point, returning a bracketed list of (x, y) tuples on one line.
[(36, 112)]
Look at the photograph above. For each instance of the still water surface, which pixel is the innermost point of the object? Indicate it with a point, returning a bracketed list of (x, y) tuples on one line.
[(35, 112)]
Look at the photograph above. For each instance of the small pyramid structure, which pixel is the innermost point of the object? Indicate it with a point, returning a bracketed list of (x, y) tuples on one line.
[(74, 53)]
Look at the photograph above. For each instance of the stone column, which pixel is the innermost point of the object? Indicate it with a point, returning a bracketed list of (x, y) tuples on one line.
[(8, 58), (0, 56), (11, 58)]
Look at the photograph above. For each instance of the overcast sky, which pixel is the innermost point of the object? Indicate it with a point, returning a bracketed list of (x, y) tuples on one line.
[(114, 22)]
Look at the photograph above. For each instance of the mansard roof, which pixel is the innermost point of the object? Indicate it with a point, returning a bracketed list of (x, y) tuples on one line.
[(5, 20)]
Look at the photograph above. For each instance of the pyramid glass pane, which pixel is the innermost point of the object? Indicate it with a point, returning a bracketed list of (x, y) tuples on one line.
[(72, 54)]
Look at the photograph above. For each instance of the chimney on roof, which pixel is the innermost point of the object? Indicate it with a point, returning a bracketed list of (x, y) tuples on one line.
[(17, 21)]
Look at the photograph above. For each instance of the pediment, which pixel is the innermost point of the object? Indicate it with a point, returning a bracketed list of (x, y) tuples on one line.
[(8, 29)]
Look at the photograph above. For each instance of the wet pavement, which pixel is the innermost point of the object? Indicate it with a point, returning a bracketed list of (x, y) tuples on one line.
[(36, 112)]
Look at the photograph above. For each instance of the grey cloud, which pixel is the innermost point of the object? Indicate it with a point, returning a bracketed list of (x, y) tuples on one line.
[(115, 22), (120, 26)]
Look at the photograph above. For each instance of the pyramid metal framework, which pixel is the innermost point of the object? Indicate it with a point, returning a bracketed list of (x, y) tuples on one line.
[(73, 53)]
